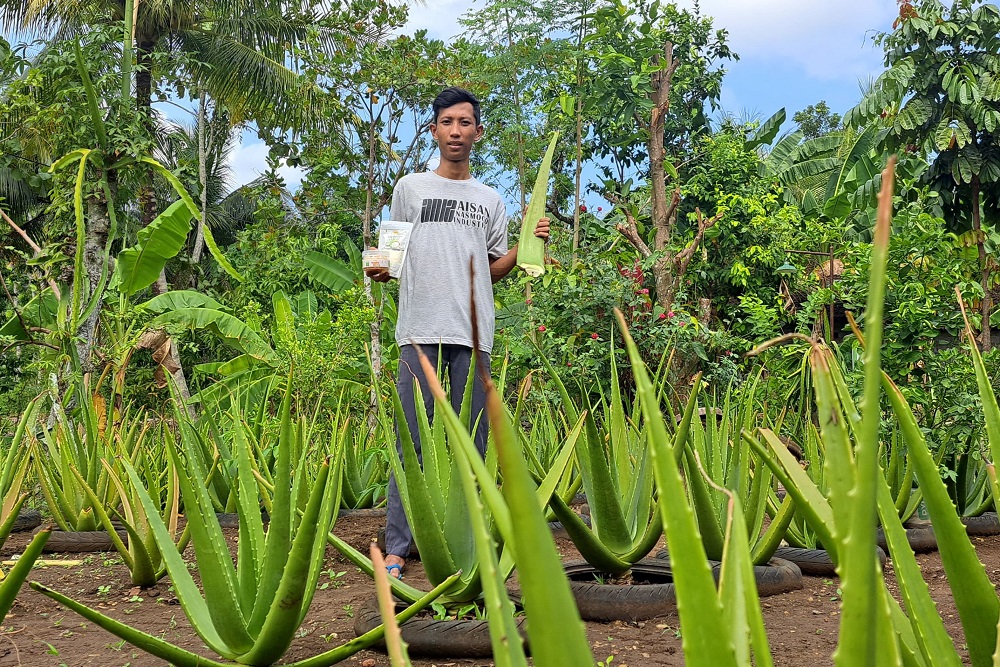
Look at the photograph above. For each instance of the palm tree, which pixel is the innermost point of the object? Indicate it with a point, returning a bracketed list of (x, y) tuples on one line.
[(236, 50)]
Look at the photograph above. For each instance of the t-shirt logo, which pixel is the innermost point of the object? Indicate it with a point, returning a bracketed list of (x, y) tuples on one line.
[(456, 211)]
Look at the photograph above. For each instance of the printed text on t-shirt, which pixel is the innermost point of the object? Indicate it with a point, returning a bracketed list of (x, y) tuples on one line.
[(454, 210)]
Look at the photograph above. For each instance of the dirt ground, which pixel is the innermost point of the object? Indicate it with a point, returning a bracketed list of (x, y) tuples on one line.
[(802, 625)]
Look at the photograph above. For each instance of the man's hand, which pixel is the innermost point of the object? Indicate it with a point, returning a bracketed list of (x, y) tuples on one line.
[(378, 274), (542, 228)]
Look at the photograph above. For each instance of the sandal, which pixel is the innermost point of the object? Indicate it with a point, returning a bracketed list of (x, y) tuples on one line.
[(398, 568)]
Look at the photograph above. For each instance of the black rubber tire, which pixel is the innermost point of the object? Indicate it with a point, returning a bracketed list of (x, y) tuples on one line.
[(27, 519), (779, 575), (815, 562), (609, 602), (983, 525), (432, 638), (921, 540), (81, 542)]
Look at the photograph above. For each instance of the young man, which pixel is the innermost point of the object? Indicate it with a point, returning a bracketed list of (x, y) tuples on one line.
[(455, 218)]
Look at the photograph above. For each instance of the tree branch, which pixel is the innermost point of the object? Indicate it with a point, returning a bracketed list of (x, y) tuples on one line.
[(631, 230), (683, 258), (35, 247)]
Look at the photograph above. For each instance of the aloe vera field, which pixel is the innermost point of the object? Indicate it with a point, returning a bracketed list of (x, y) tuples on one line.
[(518, 348)]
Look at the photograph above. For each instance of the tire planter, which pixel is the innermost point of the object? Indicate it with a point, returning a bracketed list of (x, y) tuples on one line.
[(558, 530), (982, 525), (81, 542), (921, 540), (814, 562), (432, 638), (655, 594), (26, 520)]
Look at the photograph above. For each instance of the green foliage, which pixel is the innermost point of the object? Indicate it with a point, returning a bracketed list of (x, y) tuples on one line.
[(816, 120)]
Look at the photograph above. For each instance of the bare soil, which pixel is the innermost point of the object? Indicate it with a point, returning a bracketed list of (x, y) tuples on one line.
[(802, 625)]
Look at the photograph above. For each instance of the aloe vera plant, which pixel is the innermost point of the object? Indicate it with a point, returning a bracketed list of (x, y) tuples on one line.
[(250, 611), (159, 480), (617, 478), (555, 629), (718, 627), (15, 467), (719, 466), (73, 450), (434, 499)]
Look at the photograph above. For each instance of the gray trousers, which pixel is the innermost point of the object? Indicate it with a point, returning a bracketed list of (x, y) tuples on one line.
[(456, 361)]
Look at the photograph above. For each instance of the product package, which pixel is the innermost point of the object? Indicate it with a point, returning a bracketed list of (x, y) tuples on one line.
[(393, 237)]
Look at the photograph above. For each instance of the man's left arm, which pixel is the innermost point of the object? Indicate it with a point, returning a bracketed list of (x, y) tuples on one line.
[(501, 266)]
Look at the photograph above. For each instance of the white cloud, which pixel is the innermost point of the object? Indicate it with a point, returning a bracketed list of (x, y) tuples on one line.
[(249, 160), (439, 17), (827, 39)]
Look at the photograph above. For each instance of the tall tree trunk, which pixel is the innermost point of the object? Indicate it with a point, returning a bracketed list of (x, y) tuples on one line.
[(986, 339), (664, 213), (199, 239), (143, 105), (95, 264), (375, 327)]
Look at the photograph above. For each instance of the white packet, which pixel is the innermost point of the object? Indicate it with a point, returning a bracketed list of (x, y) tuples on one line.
[(393, 237)]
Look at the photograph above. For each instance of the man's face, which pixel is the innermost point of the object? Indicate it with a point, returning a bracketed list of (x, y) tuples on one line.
[(455, 131)]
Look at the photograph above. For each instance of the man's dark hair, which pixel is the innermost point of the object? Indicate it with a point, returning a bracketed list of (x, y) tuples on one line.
[(449, 97)]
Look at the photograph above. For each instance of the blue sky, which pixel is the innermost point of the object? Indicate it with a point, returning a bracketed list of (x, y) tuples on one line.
[(792, 53)]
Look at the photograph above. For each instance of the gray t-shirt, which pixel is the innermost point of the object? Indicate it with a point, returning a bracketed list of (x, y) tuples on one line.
[(452, 221)]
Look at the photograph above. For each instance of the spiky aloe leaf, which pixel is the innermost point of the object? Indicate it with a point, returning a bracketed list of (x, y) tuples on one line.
[(556, 632), (11, 584), (398, 656), (293, 595), (935, 644), (738, 591), (699, 608), (530, 248), (507, 646), (144, 641), (975, 597), (861, 622)]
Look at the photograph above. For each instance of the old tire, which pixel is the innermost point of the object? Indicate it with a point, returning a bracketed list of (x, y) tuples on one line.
[(815, 562), (82, 541), (982, 525), (921, 540), (778, 576), (432, 638), (611, 602), (26, 519)]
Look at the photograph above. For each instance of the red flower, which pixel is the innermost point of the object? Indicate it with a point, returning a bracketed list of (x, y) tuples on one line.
[(599, 209), (644, 291), (594, 335), (670, 313), (528, 301), (583, 208), (541, 327), (663, 316)]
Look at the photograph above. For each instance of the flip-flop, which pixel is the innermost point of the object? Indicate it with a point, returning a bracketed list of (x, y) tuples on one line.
[(397, 568)]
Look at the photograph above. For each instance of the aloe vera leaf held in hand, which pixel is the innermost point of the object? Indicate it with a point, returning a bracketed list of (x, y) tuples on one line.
[(531, 249)]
